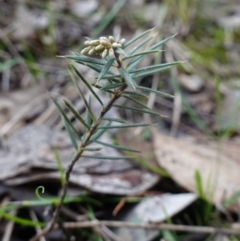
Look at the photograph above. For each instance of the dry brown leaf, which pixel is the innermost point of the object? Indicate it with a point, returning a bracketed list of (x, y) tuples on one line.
[(182, 158)]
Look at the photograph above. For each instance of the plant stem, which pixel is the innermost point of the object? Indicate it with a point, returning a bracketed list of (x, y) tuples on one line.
[(76, 157)]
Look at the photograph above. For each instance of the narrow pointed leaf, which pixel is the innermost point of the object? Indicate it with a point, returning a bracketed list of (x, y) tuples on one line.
[(112, 86), (124, 126), (153, 67), (65, 117), (108, 157), (82, 95), (99, 133), (127, 77), (70, 134), (105, 68), (134, 93), (118, 147), (150, 72), (162, 42), (140, 54), (76, 114), (88, 116), (138, 46), (92, 149), (136, 101), (82, 58), (137, 109), (114, 120), (137, 37), (87, 84), (101, 88), (155, 91), (121, 51), (133, 64)]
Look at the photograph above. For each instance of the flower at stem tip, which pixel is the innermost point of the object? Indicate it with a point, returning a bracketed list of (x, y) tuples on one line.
[(102, 46)]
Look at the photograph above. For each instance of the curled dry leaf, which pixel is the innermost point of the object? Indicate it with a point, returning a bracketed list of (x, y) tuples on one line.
[(182, 158)]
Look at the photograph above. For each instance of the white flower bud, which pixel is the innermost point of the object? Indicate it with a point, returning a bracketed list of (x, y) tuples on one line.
[(94, 42), (111, 38), (99, 47), (103, 38), (85, 50), (92, 51), (105, 53), (104, 43), (115, 45), (122, 41), (111, 52), (87, 42)]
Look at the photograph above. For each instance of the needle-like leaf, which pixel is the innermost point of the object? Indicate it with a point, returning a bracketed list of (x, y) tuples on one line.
[(87, 84), (136, 101), (85, 59), (70, 134), (155, 91), (124, 126), (105, 68), (127, 77), (108, 157), (76, 114), (137, 109), (137, 37), (92, 149), (65, 117), (123, 148), (140, 54), (82, 95), (114, 120)]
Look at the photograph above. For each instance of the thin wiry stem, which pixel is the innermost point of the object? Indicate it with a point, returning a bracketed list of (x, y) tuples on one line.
[(117, 94)]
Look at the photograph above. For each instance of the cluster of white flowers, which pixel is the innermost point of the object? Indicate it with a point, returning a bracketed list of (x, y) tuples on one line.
[(104, 46)]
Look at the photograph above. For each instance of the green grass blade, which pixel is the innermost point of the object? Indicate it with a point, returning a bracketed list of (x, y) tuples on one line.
[(140, 54), (87, 84), (137, 109), (82, 95), (127, 77), (76, 114), (21, 221), (114, 120), (85, 59), (155, 91), (108, 17), (137, 37), (59, 165), (123, 148), (124, 126), (65, 117), (136, 101), (105, 68), (199, 187), (107, 157), (70, 134)]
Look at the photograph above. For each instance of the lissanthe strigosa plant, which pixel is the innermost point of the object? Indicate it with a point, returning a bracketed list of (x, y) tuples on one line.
[(116, 62)]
